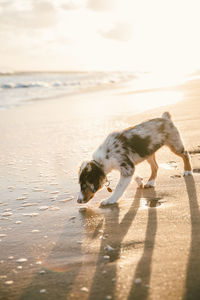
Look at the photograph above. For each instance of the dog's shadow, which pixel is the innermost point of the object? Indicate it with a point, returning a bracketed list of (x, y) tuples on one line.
[(141, 280), (114, 231), (192, 283)]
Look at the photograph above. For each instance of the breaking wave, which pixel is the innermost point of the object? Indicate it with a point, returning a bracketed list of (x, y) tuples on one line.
[(18, 88)]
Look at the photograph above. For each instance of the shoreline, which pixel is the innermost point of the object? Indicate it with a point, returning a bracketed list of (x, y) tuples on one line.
[(126, 86), (20, 89)]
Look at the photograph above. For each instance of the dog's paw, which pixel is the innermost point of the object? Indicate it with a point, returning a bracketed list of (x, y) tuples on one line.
[(108, 201), (139, 181), (187, 173), (150, 184)]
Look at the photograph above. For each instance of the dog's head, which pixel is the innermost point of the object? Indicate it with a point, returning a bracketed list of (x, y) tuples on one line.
[(91, 179)]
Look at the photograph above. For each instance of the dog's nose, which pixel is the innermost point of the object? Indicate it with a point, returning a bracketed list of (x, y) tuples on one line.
[(79, 200)]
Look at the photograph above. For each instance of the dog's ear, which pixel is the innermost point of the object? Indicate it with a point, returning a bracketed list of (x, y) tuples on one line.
[(83, 165)]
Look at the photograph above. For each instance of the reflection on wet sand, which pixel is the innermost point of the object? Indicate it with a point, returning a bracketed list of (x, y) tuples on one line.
[(151, 201), (101, 226), (60, 269)]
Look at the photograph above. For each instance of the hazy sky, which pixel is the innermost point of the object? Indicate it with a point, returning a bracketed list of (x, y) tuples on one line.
[(100, 34)]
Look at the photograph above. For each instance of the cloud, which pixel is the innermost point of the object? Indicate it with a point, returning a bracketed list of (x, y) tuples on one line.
[(23, 15), (71, 4), (101, 5), (120, 32), (5, 2)]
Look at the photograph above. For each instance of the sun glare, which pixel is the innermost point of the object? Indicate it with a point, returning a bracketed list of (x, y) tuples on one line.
[(123, 35)]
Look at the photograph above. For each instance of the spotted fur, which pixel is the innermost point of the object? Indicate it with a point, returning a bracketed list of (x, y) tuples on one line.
[(123, 150)]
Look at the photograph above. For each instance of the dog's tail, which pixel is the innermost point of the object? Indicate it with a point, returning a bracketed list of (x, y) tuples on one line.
[(166, 115)]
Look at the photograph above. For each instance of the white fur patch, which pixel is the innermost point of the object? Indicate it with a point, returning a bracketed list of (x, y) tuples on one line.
[(150, 183), (119, 190), (187, 173), (80, 196), (84, 164), (89, 168), (108, 201)]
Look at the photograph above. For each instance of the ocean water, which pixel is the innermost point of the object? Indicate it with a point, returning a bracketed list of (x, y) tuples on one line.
[(19, 88)]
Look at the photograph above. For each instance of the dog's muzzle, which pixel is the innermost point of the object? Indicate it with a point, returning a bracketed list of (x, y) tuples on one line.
[(80, 198), (79, 201), (82, 201)]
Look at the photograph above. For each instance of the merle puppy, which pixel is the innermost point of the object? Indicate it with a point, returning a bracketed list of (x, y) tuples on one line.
[(123, 150)]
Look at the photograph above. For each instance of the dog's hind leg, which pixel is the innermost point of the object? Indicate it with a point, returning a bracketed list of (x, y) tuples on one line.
[(154, 169), (174, 142), (186, 160)]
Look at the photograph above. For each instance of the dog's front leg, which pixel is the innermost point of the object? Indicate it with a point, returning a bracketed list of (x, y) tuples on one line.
[(119, 190)]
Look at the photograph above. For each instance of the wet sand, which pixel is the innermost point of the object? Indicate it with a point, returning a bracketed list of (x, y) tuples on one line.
[(146, 247)]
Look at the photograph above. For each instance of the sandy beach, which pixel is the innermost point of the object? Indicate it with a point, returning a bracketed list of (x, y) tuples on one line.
[(52, 248)]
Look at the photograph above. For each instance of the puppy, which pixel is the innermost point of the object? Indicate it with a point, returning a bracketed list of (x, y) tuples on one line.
[(124, 150)]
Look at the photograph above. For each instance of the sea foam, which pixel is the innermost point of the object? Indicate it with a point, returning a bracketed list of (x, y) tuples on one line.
[(20, 88)]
